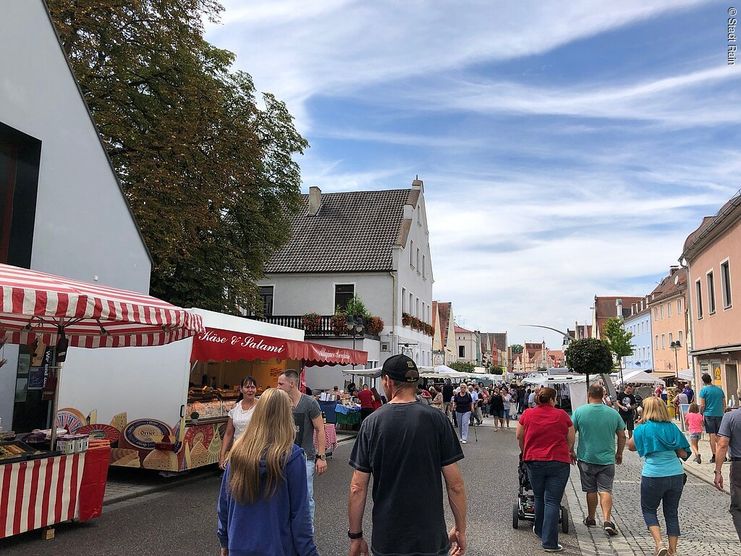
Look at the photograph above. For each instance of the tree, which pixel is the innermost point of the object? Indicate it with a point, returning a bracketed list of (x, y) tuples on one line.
[(462, 367), (618, 340), (210, 176), (589, 356), (517, 348)]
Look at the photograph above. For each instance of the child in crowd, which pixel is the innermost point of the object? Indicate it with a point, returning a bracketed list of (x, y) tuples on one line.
[(693, 420)]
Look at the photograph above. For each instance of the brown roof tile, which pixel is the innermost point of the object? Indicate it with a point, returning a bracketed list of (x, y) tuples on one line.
[(352, 232)]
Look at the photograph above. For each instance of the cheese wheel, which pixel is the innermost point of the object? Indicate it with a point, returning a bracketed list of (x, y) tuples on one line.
[(120, 421), (161, 460)]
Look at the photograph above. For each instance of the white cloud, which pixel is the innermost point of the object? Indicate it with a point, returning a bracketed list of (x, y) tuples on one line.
[(298, 50)]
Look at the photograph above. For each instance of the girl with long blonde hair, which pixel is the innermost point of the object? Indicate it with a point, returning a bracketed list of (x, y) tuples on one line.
[(661, 445), (264, 505)]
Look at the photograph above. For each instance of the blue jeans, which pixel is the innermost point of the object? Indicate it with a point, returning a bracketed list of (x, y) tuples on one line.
[(464, 420), (310, 466), (548, 479), (655, 490)]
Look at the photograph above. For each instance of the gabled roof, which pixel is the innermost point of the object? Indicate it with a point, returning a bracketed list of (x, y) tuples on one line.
[(462, 330), (444, 310), (491, 340), (352, 232), (711, 226), (670, 286)]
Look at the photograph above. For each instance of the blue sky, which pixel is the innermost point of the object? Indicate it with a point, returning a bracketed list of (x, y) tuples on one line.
[(567, 148)]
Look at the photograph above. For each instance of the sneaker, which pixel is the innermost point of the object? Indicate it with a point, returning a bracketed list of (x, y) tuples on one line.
[(712, 459), (558, 548), (662, 551), (464, 441), (589, 522), (698, 458), (610, 528)]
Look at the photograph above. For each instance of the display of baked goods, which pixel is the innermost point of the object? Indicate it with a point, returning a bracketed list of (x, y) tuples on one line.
[(15, 450), (206, 409)]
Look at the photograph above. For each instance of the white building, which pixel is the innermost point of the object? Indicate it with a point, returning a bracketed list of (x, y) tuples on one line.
[(370, 244), (61, 207)]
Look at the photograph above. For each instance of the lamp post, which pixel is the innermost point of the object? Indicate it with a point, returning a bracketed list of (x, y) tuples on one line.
[(675, 347), (355, 324)]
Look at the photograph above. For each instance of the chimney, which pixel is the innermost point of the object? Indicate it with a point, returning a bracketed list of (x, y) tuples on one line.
[(418, 183), (315, 200)]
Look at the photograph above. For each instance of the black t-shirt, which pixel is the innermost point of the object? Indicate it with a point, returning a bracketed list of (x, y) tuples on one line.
[(447, 392), (497, 402), (462, 403), (405, 446), (625, 401)]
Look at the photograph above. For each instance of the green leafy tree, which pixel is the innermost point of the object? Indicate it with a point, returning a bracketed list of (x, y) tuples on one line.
[(210, 176), (462, 367), (589, 356), (517, 348), (618, 340)]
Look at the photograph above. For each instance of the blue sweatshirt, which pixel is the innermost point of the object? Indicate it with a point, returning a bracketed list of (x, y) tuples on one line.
[(277, 526)]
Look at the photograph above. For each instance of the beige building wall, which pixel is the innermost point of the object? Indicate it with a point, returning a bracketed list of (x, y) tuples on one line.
[(668, 324), (719, 328)]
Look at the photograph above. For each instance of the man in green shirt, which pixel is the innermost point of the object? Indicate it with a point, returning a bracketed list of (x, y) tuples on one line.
[(600, 429)]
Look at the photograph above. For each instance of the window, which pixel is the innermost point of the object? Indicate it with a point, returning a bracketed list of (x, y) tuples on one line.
[(404, 300), (663, 341), (424, 266), (670, 338), (711, 293), (411, 302), (411, 254), (669, 309), (342, 294), (725, 283), (418, 269), (416, 307), (266, 297), (461, 352), (662, 311), (698, 294), (19, 174), (679, 306), (679, 337)]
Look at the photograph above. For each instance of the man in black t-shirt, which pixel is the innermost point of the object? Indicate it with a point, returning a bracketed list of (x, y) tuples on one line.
[(408, 447), (626, 404), (447, 395)]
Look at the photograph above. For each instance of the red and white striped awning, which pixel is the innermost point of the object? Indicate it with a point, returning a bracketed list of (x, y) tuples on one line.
[(34, 305)]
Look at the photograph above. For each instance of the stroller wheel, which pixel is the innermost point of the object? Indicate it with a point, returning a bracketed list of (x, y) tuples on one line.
[(515, 515), (564, 520)]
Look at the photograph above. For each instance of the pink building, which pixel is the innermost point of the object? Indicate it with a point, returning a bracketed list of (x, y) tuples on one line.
[(712, 253)]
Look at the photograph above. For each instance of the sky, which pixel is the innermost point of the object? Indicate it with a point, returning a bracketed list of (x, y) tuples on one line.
[(567, 149)]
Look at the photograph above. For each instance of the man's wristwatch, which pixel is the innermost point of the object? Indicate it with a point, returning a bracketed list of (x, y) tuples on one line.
[(320, 456), (355, 536)]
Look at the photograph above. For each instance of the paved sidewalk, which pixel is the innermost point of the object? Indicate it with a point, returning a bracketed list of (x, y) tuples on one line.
[(705, 523), (706, 470)]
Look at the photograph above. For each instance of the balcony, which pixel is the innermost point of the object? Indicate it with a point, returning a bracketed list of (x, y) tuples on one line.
[(323, 328)]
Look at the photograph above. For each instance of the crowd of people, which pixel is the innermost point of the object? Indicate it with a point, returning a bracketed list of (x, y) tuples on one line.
[(270, 460)]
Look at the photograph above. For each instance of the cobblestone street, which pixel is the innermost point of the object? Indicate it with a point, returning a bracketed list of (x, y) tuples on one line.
[(706, 526)]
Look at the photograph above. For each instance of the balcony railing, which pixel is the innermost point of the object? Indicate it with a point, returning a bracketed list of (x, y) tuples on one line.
[(323, 330)]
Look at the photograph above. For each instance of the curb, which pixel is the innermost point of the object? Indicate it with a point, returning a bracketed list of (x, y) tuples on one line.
[(697, 473)]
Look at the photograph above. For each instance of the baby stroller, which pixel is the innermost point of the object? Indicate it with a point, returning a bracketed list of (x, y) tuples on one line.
[(524, 508)]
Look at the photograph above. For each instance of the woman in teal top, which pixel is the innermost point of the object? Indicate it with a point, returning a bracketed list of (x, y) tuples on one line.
[(661, 444)]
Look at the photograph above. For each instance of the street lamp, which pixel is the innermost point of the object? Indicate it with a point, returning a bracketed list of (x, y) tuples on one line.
[(355, 325), (675, 347)]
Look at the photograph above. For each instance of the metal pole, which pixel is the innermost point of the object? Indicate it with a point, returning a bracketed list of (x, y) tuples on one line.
[(676, 364), (54, 406)]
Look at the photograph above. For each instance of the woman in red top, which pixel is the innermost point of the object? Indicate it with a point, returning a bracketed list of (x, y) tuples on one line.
[(546, 436), (366, 401)]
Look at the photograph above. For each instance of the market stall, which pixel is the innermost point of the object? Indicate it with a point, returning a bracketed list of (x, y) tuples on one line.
[(571, 390), (170, 413), (49, 482)]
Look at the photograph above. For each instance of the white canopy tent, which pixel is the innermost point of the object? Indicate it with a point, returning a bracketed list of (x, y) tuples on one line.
[(375, 372), (641, 377)]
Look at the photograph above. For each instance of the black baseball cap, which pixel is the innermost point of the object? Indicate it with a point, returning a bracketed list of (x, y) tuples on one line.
[(401, 368)]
